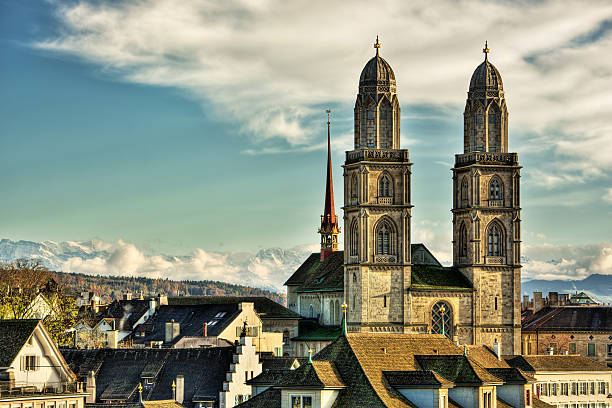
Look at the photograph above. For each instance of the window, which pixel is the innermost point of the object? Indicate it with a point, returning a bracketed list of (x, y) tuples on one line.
[(554, 389), (385, 187), (609, 348), (572, 348), (495, 302), (583, 388), (564, 389), (601, 387), (592, 388), (442, 319), (301, 401), (463, 240), (544, 389), (486, 399), (494, 241), (354, 190), (527, 398), (443, 401), (495, 191), (591, 349), (30, 363), (574, 388), (384, 237), (464, 192), (384, 300), (354, 248)]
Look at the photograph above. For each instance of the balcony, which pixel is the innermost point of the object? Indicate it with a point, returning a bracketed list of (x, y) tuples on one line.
[(486, 158), (14, 389), (496, 203), (385, 200), (385, 155)]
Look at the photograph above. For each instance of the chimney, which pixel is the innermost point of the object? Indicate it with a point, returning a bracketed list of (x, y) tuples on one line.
[(95, 306), (112, 339), (497, 349), (152, 306), (91, 388), (127, 296), (162, 300), (205, 331), (180, 389), (538, 302), (173, 329)]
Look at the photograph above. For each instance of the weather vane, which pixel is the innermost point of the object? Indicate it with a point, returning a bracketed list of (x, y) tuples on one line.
[(486, 49)]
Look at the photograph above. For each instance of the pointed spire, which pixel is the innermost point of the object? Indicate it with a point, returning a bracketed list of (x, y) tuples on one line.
[(309, 356), (486, 50), (329, 224), (377, 45), (140, 392), (344, 309)]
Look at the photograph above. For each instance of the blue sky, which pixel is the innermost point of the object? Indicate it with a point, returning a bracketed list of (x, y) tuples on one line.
[(203, 125)]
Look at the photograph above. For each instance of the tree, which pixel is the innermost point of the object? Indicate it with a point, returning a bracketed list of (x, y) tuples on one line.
[(28, 290)]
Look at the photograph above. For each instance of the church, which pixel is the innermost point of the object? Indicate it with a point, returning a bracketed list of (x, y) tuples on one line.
[(390, 285)]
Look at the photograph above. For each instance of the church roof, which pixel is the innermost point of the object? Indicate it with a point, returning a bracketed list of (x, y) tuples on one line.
[(486, 76), (438, 277), (375, 70)]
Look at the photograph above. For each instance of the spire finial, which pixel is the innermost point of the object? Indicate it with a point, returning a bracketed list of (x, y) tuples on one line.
[(377, 45), (486, 50), (310, 356)]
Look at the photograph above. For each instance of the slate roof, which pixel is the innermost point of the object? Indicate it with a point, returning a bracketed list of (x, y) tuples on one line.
[(277, 363), (511, 375), (14, 334), (420, 378), (125, 312), (570, 318), (270, 398), (144, 404), (191, 319), (311, 330), (458, 369), (539, 363), (318, 374), (427, 273), (121, 370), (438, 277), (264, 307), (268, 377), (486, 357)]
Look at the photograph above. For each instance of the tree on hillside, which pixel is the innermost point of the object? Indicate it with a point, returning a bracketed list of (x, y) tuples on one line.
[(28, 290)]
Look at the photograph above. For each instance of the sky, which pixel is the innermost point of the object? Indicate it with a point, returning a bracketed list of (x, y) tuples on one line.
[(180, 126)]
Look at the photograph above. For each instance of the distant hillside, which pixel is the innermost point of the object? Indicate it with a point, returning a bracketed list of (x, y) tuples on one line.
[(111, 287), (598, 286)]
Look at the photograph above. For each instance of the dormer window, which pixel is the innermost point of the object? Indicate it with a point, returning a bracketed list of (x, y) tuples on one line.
[(301, 401)]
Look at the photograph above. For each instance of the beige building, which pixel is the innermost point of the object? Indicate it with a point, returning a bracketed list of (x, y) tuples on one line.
[(33, 373), (567, 381), (477, 301)]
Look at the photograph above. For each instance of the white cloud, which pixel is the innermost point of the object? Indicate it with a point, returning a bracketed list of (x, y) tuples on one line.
[(267, 64), (549, 262), (608, 195)]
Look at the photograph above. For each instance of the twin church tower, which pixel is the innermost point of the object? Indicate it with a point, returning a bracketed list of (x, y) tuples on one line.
[(393, 286)]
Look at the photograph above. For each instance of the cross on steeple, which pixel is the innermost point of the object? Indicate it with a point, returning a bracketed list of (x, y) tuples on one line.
[(377, 45), (486, 50)]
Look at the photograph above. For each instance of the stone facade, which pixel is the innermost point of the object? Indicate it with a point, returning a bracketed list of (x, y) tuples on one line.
[(377, 207), (486, 212)]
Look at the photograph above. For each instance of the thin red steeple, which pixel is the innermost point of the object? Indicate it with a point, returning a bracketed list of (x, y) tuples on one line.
[(329, 223)]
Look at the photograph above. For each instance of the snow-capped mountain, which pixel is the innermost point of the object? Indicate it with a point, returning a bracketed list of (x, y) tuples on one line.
[(269, 268)]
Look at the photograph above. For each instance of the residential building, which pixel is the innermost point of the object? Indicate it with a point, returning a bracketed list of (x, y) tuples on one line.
[(586, 331), (202, 377), (400, 370), (567, 381), (33, 373)]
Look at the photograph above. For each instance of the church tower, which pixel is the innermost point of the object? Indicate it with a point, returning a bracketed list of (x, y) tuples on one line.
[(377, 207), (486, 213), (329, 222)]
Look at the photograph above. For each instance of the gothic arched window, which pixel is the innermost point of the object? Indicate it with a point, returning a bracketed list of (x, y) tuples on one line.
[(442, 319), (495, 189), (494, 241), (354, 239), (462, 240), (464, 192), (384, 238), (337, 309), (385, 186), (354, 191)]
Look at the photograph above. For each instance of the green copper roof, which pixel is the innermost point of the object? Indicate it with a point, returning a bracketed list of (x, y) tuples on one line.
[(438, 277)]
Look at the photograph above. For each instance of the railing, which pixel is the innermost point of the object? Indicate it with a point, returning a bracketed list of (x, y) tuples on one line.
[(486, 158), (385, 200), (495, 260), (496, 203), (12, 388), (385, 258)]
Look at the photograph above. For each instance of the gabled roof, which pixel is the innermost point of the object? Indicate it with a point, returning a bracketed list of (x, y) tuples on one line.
[(570, 318), (278, 363), (328, 276), (485, 357), (264, 307), (14, 334), (457, 368), (306, 268), (317, 374), (125, 312), (511, 375), (121, 370), (545, 363), (268, 377), (191, 319), (270, 398)]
